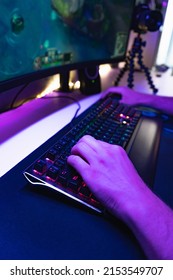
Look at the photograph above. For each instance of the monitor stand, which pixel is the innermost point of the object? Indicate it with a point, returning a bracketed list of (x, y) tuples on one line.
[(64, 81)]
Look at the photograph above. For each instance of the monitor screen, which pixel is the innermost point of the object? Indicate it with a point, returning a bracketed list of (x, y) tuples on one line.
[(44, 37)]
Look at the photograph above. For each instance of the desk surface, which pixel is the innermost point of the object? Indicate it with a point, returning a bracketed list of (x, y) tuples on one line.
[(30, 125), (24, 128), (36, 223)]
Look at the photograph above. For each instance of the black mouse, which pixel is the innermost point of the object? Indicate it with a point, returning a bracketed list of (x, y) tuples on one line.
[(115, 95)]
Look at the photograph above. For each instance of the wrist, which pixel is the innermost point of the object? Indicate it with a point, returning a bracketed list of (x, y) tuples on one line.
[(137, 206)]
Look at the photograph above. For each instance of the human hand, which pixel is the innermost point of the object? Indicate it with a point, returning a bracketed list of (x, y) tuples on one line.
[(109, 173), (129, 96), (112, 178)]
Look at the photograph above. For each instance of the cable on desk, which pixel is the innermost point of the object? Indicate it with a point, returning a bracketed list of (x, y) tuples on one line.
[(44, 97), (68, 97)]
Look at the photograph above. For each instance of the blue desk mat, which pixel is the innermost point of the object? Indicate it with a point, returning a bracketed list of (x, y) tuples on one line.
[(38, 224), (163, 185)]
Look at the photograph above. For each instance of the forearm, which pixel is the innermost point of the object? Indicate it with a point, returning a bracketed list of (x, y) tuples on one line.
[(152, 224), (163, 103)]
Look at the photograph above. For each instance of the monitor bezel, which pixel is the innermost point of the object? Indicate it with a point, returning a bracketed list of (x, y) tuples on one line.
[(40, 74)]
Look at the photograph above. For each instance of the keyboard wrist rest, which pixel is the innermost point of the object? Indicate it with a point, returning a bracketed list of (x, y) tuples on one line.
[(143, 148)]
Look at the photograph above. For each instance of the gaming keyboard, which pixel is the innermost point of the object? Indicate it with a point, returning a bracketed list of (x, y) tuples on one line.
[(106, 120)]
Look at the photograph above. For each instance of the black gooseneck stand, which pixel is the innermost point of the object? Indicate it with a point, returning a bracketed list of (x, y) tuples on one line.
[(136, 52)]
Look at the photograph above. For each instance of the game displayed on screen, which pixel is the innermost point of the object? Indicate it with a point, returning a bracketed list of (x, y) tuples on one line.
[(36, 35)]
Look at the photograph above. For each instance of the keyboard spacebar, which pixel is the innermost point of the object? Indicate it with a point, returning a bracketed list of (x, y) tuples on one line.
[(143, 149)]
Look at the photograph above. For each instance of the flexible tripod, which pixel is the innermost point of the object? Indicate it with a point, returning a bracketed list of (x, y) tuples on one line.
[(136, 51)]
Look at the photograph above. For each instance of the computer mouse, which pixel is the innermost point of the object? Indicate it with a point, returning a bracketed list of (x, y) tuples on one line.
[(115, 95)]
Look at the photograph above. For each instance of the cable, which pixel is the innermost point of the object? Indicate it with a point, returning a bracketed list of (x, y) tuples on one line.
[(44, 97), (68, 97), (18, 93), (55, 97)]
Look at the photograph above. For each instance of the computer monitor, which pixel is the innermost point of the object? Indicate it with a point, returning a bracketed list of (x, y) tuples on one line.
[(42, 38)]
